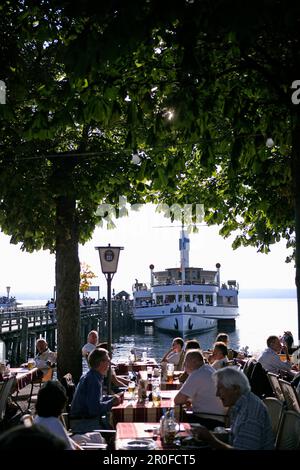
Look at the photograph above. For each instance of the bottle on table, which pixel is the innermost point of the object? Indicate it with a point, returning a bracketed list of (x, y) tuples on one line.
[(168, 427)]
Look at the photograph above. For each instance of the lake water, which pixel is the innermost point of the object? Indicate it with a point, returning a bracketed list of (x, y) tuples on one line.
[(259, 318)]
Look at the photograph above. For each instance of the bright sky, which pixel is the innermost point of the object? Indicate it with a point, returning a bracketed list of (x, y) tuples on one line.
[(144, 244)]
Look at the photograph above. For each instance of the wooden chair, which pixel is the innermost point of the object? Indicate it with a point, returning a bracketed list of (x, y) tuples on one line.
[(290, 396), (259, 382), (274, 382), (248, 367), (6, 389), (39, 382), (288, 437), (69, 386), (275, 409)]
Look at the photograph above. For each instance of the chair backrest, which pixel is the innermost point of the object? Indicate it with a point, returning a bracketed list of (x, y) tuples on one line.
[(181, 361), (259, 382), (47, 375), (290, 395), (289, 431), (68, 384), (248, 367), (274, 382), (275, 409), (5, 392)]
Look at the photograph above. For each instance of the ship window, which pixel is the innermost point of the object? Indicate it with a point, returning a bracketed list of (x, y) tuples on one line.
[(188, 298), (209, 299), (159, 299), (200, 299)]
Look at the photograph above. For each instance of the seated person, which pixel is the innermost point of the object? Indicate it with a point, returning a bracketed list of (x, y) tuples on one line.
[(190, 344), (51, 401), (232, 354), (199, 390), (174, 354), (92, 340), (270, 360), (115, 381), (30, 439), (219, 358), (249, 418), (45, 359), (288, 340), (89, 405)]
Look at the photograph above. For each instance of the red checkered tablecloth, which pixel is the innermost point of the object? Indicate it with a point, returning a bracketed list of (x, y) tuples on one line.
[(24, 376), (127, 431), (124, 368), (132, 411)]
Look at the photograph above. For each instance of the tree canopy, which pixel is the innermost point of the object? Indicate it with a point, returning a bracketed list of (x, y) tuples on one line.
[(191, 89)]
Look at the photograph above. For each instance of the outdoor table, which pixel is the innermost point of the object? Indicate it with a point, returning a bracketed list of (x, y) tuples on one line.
[(24, 376), (125, 367), (126, 431), (175, 385), (132, 411)]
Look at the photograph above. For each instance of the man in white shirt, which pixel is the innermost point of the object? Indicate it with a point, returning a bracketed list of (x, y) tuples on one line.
[(174, 355), (92, 340), (270, 359), (45, 359), (219, 357), (200, 390)]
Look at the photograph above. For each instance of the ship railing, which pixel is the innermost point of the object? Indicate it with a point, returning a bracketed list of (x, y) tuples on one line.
[(140, 287), (186, 283)]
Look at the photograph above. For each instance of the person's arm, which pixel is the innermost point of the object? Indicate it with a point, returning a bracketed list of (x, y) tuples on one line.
[(181, 398), (205, 435), (117, 381), (166, 355), (84, 352)]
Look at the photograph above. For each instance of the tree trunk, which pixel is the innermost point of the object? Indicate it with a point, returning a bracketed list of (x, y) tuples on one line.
[(296, 191), (67, 273)]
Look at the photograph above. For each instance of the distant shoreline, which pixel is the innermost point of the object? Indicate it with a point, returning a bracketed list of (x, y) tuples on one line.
[(257, 293), (268, 293)]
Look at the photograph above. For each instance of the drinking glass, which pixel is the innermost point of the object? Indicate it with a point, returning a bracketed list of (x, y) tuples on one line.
[(170, 373), (149, 373), (144, 356), (131, 358), (156, 396), (30, 363), (155, 433), (131, 390)]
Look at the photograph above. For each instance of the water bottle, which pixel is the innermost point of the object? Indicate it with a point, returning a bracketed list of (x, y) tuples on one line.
[(2, 351), (168, 427)]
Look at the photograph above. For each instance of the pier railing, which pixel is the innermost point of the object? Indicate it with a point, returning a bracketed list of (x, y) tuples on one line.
[(20, 329)]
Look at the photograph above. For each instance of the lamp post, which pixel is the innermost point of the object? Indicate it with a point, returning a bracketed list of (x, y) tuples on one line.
[(109, 257), (8, 291)]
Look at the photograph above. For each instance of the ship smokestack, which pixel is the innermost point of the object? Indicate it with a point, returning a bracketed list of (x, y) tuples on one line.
[(151, 267), (218, 274)]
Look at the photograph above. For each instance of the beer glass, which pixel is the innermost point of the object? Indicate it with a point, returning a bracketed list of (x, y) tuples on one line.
[(170, 373), (30, 363)]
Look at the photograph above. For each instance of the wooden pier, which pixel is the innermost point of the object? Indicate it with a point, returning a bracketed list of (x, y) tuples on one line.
[(21, 328)]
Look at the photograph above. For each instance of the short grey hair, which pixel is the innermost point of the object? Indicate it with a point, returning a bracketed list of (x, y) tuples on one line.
[(230, 377)]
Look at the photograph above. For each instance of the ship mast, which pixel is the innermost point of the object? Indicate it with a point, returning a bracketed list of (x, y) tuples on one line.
[(184, 248)]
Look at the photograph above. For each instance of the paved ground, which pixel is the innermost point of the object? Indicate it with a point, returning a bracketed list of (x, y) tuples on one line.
[(23, 396)]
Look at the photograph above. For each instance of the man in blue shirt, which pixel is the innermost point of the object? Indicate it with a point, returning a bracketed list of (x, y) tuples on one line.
[(89, 406)]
